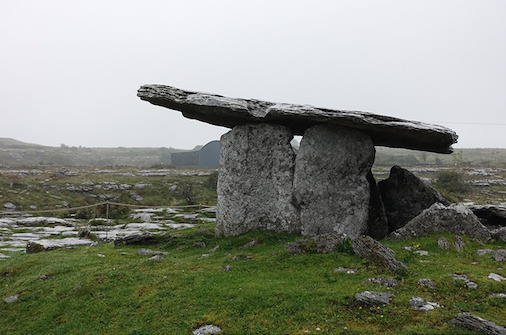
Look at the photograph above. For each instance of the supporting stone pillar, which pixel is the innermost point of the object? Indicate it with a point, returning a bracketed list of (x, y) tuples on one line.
[(255, 184), (331, 186)]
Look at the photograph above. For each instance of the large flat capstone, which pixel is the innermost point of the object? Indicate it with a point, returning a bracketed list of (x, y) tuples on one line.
[(231, 112)]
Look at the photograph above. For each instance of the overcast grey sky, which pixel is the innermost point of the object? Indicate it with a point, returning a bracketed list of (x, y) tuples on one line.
[(69, 70)]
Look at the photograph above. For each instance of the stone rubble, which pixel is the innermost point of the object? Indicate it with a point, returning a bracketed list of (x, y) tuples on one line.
[(420, 304)]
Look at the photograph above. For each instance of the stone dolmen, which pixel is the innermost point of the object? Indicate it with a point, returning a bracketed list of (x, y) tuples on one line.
[(325, 187)]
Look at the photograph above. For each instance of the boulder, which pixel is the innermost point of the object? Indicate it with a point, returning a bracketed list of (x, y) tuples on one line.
[(456, 219), (443, 243), (405, 196), (230, 112), (373, 298), (499, 234), (475, 323), (255, 183), (372, 250), (330, 186)]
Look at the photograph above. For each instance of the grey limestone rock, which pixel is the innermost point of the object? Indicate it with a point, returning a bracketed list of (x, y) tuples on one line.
[(482, 252), (373, 298), (11, 298), (500, 255), (388, 282), (455, 219), (372, 250), (459, 243), (443, 243), (499, 234), (231, 112), (426, 282), (255, 183), (207, 329), (331, 186), (420, 304), (476, 323), (143, 252), (405, 196), (156, 258)]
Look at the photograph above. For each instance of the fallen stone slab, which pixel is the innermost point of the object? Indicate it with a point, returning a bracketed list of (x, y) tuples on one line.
[(456, 219), (372, 250), (405, 196), (231, 112), (420, 304), (475, 323), (373, 298), (51, 244)]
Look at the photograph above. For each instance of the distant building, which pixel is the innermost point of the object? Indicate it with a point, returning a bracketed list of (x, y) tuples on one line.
[(208, 157)]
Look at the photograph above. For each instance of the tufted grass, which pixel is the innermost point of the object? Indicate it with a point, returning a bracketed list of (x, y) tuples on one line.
[(271, 293)]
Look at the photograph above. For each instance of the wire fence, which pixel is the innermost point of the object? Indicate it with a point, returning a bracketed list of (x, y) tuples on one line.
[(106, 203)]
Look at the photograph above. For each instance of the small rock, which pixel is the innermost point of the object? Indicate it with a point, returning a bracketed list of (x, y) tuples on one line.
[(388, 282), (443, 243), (199, 245), (11, 298), (500, 255), (250, 244), (44, 277), (471, 285), (373, 298), (34, 247), (420, 304), (421, 252), (344, 270), (372, 250), (215, 248), (143, 252), (227, 268), (204, 256), (459, 243), (77, 288), (427, 282), (156, 258), (84, 232), (482, 252), (207, 329), (496, 277), (10, 206), (136, 239), (101, 255), (459, 277), (497, 295), (2, 256)]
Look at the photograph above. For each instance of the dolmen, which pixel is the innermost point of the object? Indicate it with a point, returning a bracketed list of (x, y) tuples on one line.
[(326, 187)]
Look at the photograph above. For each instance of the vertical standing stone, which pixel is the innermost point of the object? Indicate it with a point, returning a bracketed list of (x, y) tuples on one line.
[(255, 184), (331, 186)]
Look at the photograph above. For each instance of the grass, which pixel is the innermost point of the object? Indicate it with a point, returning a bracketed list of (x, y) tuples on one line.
[(271, 293)]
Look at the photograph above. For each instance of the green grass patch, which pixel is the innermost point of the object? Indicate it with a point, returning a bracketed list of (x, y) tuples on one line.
[(267, 291)]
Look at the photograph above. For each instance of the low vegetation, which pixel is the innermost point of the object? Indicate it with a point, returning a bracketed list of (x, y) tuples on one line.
[(105, 289)]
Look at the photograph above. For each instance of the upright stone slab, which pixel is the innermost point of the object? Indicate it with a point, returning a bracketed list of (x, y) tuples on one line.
[(331, 186), (255, 183)]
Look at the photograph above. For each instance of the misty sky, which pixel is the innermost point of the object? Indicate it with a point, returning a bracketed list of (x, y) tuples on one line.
[(69, 70)]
